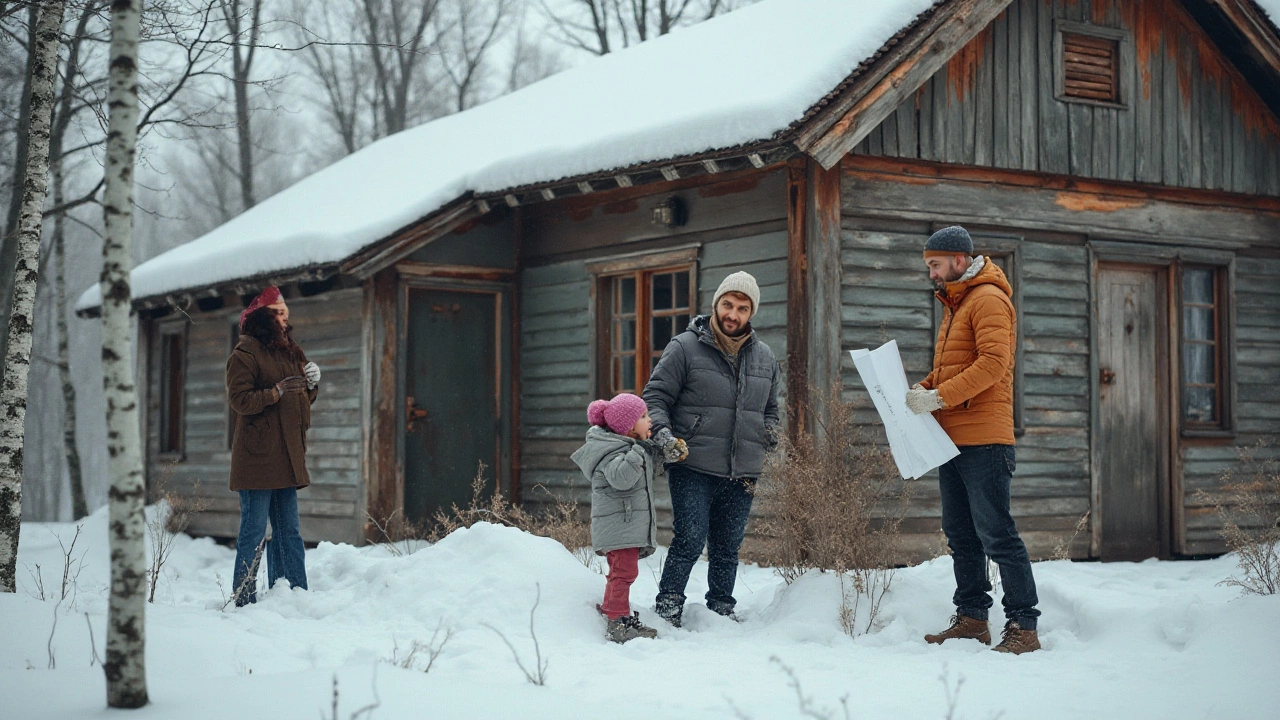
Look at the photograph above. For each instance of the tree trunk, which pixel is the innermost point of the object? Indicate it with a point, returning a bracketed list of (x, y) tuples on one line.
[(17, 358), (79, 508), (125, 665), (9, 233)]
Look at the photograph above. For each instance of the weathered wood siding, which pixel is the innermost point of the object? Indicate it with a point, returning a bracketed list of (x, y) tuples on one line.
[(1191, 120), (1257, 367), (328, 328), (886, 295)]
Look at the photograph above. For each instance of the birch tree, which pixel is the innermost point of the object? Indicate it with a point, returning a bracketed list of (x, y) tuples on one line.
[(17, 358), (125, 665)]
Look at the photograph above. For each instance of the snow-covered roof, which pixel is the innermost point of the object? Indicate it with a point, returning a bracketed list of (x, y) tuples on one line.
[(737, 79)]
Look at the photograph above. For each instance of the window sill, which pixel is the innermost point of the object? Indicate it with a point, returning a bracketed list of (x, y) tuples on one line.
[(1209, 433)]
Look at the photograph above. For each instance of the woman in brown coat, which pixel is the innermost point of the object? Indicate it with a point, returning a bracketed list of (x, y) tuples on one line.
[(270, 387)]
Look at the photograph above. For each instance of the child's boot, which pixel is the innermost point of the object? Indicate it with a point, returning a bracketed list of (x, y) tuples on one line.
[(629, 627)]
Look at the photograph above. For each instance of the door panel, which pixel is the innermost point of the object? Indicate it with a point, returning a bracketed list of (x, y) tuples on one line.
[(451, 397), (1130, 390)]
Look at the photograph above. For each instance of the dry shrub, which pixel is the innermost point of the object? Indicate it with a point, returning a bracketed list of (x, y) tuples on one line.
[(562, 522), (1062, 548), (1251, 520), (172, 517), (834, 502)]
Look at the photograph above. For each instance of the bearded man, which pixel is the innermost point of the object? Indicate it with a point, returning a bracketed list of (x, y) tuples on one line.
[(270, 388), (970, 392), (716, 388)]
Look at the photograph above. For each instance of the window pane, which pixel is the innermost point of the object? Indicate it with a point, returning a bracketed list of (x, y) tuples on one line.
[(662, 287), (626, 295), (624, 334), (681, 324), (1197, 286), (661, 334), (1197, 323), (1199, 402), (627, 380), (682, 290), (1197, 363)]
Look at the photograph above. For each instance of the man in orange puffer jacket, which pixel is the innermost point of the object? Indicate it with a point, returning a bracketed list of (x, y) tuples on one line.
[(970, 392)]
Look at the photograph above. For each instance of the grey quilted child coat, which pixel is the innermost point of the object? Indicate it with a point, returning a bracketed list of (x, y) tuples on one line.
[(621, 473)]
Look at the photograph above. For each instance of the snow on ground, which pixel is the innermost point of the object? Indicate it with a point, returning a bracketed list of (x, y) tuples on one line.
[(734, 79), (1146, 640)]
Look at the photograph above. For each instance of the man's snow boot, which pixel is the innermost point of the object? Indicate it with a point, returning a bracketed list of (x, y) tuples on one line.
[(1016, 640), (670, 612), (629, 627), (964, 628)]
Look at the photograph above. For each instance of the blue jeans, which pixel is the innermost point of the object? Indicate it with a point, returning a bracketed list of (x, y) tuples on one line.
[(285, 553), (978, 525), (707, 511)]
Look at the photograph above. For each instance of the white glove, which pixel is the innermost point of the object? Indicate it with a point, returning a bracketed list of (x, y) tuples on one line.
[(922, 401), (312, 371)]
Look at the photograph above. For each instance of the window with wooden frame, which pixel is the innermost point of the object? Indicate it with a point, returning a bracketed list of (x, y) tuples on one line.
[(1203, 353), (642, 302), (1089, 63), (172, 395)]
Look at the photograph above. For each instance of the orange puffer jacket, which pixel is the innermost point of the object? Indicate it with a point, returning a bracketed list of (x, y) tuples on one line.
[(973, 359)]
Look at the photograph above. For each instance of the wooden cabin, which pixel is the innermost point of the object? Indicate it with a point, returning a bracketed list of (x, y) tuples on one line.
[(1120, 159)]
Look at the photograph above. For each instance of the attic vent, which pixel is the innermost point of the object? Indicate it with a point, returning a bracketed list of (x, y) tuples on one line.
[(1091, 63), (1090, 68)]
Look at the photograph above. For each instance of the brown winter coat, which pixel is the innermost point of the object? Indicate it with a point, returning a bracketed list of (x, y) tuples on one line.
[(268, 450), (973, 359)]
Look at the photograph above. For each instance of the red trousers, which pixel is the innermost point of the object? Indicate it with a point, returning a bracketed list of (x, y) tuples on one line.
[(624, 566)]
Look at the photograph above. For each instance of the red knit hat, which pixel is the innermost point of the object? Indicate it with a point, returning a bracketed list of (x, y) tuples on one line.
[(270, 295), (619, 414)]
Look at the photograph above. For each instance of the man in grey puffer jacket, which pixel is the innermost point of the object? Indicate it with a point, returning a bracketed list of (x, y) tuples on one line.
[(717, 388)]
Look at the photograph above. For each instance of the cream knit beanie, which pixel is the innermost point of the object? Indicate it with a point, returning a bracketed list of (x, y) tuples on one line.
[(739, 282)]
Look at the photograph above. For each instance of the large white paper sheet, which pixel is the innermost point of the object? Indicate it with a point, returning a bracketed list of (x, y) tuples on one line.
[(918, 442)]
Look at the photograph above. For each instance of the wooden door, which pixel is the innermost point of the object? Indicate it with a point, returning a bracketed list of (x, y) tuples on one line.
[(1132, 476), (452, 398)]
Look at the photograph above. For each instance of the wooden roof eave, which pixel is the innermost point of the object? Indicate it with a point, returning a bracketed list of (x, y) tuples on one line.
[(878, 89), (1248, 38)]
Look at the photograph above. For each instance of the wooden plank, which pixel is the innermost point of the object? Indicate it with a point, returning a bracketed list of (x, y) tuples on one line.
[(1123, 211), (924, 124), (1026, 86), (983, 99), (798, 332), (1172, 108), (383, 476), (1005, 127), (941, 103), (908, 136), (1055, 133), (1211, 132)]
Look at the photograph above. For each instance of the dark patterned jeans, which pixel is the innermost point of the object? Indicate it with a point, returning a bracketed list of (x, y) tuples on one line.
[(978, 525), (707, 511)]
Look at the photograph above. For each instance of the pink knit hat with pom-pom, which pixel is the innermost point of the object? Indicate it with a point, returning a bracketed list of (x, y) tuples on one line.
[(619, 414)]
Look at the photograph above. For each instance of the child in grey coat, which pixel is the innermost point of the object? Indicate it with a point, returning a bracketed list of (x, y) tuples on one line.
[(619, 461)]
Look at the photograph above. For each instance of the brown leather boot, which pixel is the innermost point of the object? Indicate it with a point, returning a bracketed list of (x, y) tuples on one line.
[(964, 628), (1016, 640)]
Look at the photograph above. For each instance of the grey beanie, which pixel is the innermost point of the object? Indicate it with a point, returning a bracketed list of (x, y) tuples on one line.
[(949, 241), (740, 282)]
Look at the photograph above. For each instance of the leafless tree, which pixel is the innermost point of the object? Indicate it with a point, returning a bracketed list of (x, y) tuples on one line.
[(466, 32), (125, 666), (244, 25), (601, 26), (17, 357), (20, 31)]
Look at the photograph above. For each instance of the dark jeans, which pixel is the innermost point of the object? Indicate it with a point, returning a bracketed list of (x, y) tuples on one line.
[(707, 511), (285, 552), (978, 525)]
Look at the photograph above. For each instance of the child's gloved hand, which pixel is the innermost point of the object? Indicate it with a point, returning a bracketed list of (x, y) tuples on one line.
[(673, 449)]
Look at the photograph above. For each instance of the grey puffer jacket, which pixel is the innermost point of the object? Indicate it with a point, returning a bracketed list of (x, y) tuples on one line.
[(728, 417), (621, 473)]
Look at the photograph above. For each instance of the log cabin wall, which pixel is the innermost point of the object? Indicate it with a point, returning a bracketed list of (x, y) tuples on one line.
[(1186, 117), (734, 223), (328, 326)]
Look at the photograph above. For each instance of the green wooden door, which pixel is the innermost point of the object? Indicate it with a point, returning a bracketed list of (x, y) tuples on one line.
[(451, 397)]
